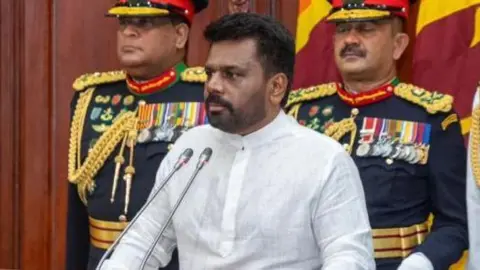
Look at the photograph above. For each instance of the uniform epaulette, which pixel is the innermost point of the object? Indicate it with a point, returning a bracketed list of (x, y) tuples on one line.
[(433, 102), (194, 74), (97, 78), (310, 93)]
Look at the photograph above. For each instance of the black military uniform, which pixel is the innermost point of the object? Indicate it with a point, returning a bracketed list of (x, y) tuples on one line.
[(409, 150), (120, 132), (408, 147)]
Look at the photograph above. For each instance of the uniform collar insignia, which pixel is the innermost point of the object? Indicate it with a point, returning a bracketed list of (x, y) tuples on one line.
[(163, 81), (369, 97)]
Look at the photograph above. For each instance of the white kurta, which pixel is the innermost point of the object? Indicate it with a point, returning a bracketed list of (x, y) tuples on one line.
[(283, 197), (473, 209)]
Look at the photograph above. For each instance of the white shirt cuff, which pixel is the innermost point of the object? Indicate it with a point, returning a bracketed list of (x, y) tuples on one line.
[(416, 261)]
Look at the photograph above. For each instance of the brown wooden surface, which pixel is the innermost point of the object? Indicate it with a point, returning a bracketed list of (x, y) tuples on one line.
[(9, 53), (84, 42), (34, 134), (45, 45)]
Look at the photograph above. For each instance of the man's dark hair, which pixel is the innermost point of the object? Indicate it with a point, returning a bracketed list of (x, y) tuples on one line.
[(275, 44), (177, 19)]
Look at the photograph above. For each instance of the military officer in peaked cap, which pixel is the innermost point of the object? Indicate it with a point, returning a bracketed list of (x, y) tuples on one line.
[(405, 140), (123, 123)]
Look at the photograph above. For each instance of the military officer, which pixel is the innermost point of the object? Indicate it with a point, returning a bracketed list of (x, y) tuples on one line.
[(123, 123), (405, 140), (473, 186)]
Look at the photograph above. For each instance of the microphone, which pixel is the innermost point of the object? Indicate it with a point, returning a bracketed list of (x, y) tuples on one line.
[(182, 160), (202, 160)]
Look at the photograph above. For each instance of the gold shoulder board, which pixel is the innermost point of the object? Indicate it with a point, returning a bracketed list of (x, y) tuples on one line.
[(433, 102), (194, 74), (310, 93), (91, 79)]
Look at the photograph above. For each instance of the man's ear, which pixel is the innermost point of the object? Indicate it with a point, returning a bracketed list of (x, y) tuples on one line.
[(182, 31), (400, 45), (277, 87)]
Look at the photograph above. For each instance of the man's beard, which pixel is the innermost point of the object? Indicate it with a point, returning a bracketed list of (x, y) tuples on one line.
[(233, 120)]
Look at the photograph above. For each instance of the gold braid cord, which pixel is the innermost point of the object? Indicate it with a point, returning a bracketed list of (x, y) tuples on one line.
[(339, 129), (475, 144), (83, 174)]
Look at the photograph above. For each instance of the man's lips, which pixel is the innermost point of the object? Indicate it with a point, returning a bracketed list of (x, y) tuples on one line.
[(128, 48), (214, 107)]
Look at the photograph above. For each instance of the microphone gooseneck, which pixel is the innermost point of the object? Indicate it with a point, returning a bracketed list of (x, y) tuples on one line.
[(202, 160), (182, 160)]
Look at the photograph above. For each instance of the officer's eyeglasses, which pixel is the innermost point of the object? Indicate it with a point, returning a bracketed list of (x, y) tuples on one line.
[(144, 23)]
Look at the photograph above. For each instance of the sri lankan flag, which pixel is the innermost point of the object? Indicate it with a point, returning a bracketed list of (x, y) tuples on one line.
[(447, 51), (314, 62), (447, 55)]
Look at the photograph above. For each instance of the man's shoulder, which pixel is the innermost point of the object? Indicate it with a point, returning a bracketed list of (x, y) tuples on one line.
[(314, 138), (200, 130), (315, 92), (194, 75), (432, 102), (95, 79), (196, 134)]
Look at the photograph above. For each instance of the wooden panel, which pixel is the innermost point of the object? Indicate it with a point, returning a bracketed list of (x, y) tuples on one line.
[(286, 11), (9, 53), (198, 46), (280, 9), (35, 135), (82, 45)]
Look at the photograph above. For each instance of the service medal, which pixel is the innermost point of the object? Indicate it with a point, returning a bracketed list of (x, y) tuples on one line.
[(376, 150), (387, 150), (412, 155), (145, 136), (363, 150), (394, 151), (418, 156), (398, 151), (403, 152)]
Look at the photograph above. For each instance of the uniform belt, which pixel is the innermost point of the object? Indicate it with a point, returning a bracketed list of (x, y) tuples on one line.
[(104, 233), (387, 243), (398, 242)]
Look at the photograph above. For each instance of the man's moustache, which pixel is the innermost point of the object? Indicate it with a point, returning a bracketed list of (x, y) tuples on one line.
[(219, 101), (352, 49)]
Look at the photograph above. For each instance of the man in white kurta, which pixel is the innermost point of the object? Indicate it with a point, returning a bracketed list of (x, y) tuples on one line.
[(267, 200), (473, 191)]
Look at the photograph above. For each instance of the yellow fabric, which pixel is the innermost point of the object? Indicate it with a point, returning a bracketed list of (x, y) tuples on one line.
[(310, 14), (434, 10), (465, 123), (476, 33), (431, 11)]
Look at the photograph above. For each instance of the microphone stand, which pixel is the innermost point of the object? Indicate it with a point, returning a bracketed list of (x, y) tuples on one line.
[(203, 159), (182, 160)]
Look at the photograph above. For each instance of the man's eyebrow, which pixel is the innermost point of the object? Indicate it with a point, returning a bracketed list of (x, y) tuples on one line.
[(242, 66)]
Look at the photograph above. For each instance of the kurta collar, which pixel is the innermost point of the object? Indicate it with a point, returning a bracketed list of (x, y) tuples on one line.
[(273, 130)]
